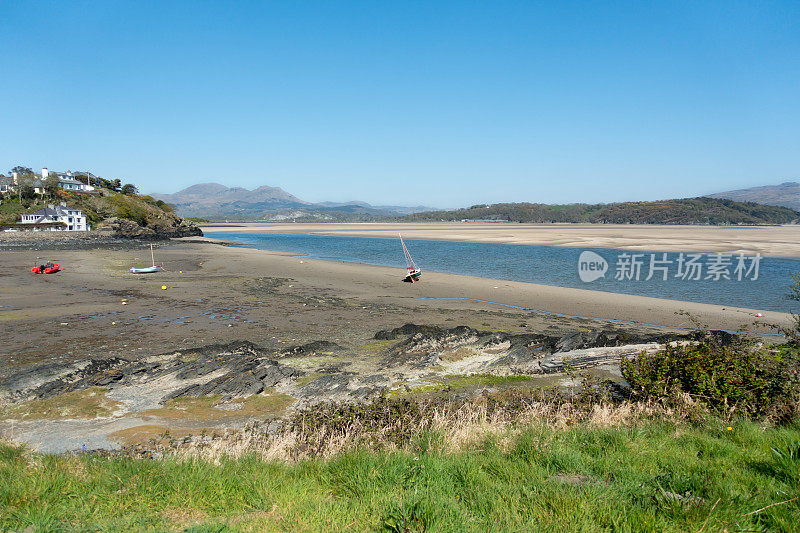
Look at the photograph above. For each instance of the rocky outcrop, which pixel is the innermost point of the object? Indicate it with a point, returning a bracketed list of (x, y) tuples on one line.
[(162, 228), (318, 371), (311, 348), (466, 350), (239, 369)]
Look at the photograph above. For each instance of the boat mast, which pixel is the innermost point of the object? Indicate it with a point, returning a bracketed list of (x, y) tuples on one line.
[(151, 254), (408, 255)]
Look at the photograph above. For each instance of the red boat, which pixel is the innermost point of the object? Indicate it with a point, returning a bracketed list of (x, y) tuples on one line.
[(47, 268)]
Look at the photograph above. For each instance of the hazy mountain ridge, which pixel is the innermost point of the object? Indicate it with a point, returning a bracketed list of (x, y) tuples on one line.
[(784, 195), (216, 201)]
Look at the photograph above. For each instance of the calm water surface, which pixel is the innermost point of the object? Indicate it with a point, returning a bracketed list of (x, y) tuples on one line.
[(548, 265)]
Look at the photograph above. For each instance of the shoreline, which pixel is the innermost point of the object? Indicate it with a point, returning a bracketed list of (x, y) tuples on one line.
[(773, 241), (378, 284), (309, 256), (461, 291)]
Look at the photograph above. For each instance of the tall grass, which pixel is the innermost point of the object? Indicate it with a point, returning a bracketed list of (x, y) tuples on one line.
[(646, 475)]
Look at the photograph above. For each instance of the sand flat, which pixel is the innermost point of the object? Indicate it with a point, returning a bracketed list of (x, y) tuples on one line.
[(776, 241), (217, 293)]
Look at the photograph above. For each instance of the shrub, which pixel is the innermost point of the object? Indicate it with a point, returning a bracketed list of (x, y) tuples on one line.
[(727, 379), (164, 206), (128, 208)]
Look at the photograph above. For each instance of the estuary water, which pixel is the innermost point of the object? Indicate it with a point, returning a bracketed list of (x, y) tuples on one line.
[(693, 276)]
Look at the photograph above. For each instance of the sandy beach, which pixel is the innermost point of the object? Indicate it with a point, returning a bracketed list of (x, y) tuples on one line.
[(778, 241)]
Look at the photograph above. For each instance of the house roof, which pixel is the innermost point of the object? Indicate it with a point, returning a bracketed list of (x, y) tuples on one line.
[(73, 173), (54, 211), (70, 180)]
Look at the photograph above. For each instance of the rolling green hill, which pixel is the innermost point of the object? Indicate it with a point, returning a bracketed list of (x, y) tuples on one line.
[(701, 210)]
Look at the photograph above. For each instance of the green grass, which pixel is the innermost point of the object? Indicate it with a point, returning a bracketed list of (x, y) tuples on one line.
[(542, 479)]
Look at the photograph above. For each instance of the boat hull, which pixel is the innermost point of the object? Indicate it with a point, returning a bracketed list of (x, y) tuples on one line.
[(148, 270), (412, 277)]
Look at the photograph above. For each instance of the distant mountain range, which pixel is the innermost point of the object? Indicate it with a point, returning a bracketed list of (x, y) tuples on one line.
[(779, 204), (214, 201), (784, 195)]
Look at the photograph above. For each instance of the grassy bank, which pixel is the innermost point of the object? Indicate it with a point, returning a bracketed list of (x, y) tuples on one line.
[(650, 475)]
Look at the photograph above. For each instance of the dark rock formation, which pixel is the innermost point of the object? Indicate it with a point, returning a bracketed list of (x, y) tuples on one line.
[(310, 348), (244, 369), (162, 228), (247, 377), (425, 343)]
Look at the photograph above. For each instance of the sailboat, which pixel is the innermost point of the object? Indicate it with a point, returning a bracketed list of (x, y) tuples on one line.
[(412, 272), (147, 270)]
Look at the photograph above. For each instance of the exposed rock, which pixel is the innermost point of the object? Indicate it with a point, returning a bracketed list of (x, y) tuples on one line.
[(162, 228), (310, 348), (425, 356), (245, 379), (325, 385), (238, 369), (500, 352), (407, 329), (422, 348), (34, 377)]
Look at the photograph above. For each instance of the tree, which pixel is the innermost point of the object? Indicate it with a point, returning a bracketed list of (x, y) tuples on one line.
[(27, 192), (51, 185), (129, 189), (21, 171), (116, 185), (25, 188)]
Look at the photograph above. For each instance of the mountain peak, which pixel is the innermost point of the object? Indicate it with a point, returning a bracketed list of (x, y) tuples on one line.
[(216, 201), (787, 194)]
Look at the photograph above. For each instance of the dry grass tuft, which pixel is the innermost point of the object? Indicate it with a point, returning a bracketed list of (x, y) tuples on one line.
[(450, 426)]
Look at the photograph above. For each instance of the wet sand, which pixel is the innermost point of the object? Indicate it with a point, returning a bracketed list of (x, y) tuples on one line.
[(777, 241), (217, 293)]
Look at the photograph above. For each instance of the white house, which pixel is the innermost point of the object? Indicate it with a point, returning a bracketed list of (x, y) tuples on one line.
[(67, 182), (6, 184), (72, 219)]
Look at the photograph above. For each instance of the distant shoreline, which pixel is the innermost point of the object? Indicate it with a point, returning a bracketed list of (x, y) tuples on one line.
[(773, 241)]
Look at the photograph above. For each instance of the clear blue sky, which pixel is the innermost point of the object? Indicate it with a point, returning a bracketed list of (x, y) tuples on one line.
[(435, 103)]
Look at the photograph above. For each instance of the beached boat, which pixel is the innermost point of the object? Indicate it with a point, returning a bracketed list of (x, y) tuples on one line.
[(412, 272), (46, 268), (150, 269)]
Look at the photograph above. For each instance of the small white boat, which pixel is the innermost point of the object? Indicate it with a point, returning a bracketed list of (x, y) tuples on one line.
[(146, 270), (150, 269)]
